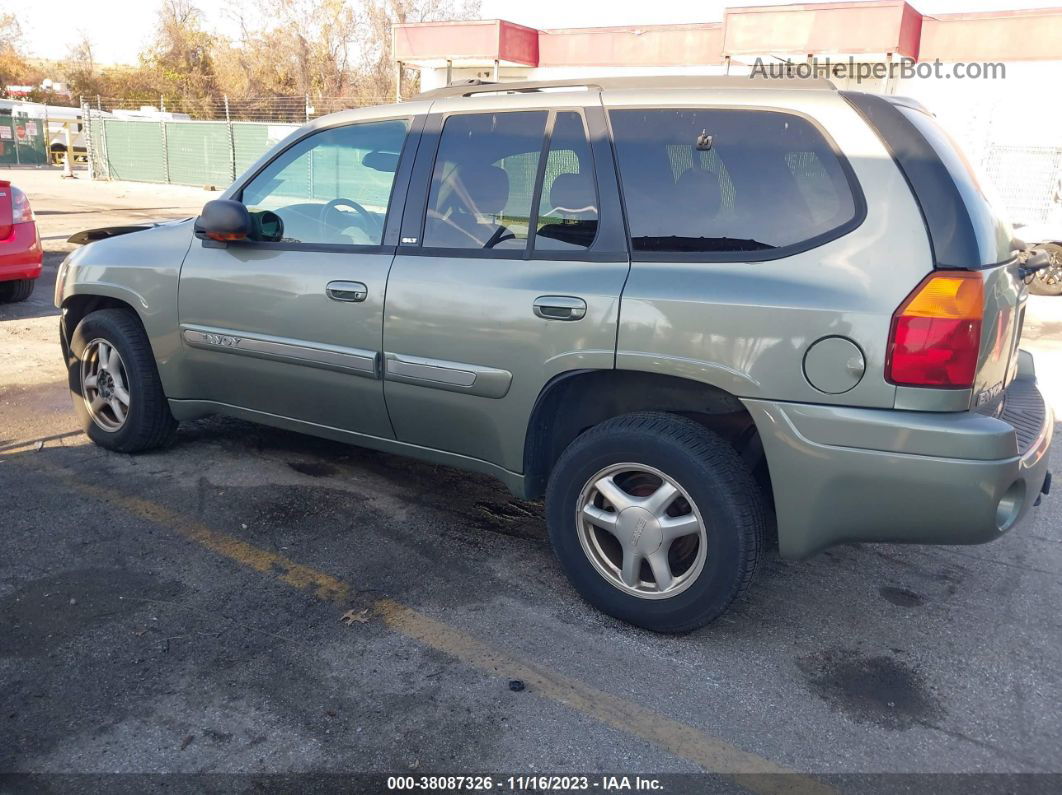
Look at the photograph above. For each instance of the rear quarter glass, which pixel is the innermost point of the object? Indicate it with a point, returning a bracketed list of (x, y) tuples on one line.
[(1003, 291), (990, 227)]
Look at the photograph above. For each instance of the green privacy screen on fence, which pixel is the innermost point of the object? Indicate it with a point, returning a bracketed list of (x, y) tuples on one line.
[(22, 141), (198, 153), (179, 152)]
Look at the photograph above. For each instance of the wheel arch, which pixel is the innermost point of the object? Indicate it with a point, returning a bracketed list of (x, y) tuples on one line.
[(575, 401), (77, 305)]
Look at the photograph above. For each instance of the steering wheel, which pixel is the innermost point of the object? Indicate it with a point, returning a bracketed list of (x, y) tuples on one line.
[(371, 223), (501, 234)]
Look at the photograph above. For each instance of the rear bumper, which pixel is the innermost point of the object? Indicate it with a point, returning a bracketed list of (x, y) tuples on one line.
[(859, 475), (20, 253)]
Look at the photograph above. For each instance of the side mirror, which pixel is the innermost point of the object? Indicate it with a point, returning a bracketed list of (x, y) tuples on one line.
[(267, 226), (224, 220)]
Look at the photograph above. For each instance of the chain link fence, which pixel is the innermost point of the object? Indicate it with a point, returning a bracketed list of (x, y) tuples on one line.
[(202, 142), (289, 109), (1028, 180), (194, 142), (177, 152)]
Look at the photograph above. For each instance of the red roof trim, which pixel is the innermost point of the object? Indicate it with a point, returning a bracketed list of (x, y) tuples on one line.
[(839, 27)]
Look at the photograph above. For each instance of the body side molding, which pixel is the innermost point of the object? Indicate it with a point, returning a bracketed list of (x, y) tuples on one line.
[(330, 357), (473, 379)]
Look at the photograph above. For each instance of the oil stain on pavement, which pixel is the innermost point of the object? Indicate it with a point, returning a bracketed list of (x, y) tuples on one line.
[(901, 597), (880, 690)]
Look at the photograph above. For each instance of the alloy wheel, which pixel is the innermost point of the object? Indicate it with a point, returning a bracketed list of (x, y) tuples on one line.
[(641, 531), (105, 385)]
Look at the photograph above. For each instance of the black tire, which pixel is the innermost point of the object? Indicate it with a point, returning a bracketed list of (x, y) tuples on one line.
[(149, 423), (18, 290), (710, 470), (1049, 280)]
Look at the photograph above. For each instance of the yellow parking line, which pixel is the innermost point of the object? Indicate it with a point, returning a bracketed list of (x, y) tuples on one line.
[(712, 754)]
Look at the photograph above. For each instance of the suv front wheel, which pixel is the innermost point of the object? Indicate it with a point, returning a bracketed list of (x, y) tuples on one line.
[(115, 386), (656, 520)]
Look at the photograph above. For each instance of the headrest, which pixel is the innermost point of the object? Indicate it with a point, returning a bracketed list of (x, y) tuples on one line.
[(573, 195), (487, 188), (698, 191)]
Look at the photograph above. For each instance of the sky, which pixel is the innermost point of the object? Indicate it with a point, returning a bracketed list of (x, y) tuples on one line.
[(118, 29)]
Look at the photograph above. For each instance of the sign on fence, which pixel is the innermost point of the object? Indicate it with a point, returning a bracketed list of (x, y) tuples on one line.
[(22, 142)]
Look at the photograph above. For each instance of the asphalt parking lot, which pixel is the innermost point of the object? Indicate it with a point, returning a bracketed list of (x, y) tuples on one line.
[(256, 601)]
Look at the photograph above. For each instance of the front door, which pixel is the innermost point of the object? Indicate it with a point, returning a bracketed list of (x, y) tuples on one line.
[(510, 273), (291, 327)]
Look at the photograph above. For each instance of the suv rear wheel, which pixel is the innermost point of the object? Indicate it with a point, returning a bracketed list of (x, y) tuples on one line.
[(115, 386), (656, 520)]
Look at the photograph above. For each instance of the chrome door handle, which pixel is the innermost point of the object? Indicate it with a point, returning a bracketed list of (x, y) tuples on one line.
[(560, 307), (353, 292)]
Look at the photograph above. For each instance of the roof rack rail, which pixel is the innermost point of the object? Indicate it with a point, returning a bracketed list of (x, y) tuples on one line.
[(468, 88)]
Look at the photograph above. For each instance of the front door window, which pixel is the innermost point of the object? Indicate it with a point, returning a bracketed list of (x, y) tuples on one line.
[(331, 188)]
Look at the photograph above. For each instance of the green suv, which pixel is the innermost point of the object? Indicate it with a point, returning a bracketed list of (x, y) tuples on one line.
[(699, 316)]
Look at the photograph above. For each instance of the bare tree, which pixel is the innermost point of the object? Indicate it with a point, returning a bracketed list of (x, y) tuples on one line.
[(181, 55), (79, 68), (325, 49), (334, 53)]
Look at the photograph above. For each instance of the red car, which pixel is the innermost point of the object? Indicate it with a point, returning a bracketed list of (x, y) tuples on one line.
[(20, 245)]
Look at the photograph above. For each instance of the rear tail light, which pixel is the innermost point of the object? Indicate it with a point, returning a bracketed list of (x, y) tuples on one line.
[(935, 338), (21, 213)]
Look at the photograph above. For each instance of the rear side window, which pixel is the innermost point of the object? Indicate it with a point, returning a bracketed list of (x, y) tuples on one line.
[(730, 184), (567, 208), (484, 181)]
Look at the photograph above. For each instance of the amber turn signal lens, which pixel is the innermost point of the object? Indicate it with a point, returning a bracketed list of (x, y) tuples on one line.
[(953, 295)]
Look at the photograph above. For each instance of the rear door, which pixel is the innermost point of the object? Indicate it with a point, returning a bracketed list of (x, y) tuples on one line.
[(510, 271), (292, 328)]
